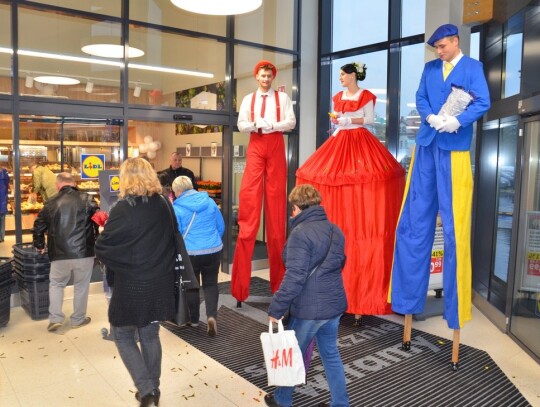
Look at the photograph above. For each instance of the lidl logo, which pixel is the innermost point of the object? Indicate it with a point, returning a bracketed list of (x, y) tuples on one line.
[(91, 165), (114, 183)]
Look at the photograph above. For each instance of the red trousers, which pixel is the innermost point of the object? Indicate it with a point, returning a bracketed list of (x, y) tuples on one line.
[(265, 176)]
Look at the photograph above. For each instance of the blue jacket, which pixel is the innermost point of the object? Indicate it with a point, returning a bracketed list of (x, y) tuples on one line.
[(4, 190), (432, 93), (322, 295), (204, 236)]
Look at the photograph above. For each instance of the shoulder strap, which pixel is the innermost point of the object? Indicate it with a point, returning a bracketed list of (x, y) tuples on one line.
[(171, 213), (189, 226), (278, 107), (253, 106), (327, 251)]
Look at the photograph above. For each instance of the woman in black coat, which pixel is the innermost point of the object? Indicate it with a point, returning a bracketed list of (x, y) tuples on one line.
[(140, 266)]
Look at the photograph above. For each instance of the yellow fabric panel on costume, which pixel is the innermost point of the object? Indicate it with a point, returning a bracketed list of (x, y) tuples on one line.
[(405, 193), (462, 187)]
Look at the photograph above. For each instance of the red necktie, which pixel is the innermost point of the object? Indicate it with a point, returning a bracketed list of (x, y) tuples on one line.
[(263, 109)]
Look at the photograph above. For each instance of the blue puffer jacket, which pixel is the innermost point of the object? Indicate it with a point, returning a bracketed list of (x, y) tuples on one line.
[(322, 295), (204, 236)]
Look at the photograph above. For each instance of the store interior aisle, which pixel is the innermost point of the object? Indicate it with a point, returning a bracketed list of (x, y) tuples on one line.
[(78, 367)]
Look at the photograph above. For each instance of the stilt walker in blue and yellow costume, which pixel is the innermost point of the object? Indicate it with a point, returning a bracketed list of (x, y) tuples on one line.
[(439, 180)]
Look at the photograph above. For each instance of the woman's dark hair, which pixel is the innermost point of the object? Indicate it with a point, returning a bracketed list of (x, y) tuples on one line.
[(350, 68)]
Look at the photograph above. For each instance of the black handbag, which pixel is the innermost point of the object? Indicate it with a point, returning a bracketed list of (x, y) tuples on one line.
[(182, 316), (182, 266)]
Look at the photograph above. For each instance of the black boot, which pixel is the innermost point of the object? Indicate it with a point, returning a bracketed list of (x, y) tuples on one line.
[(152, 397)]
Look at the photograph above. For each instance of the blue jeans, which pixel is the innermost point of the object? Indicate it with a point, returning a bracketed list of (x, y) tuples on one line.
[(325, 333), (144, 364)]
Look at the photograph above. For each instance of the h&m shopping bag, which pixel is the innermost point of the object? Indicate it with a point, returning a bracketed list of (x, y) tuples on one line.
[(282, 357)]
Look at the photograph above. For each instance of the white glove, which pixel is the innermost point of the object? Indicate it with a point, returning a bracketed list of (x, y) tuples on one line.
[(436, 121), (451, 125), (344, 121), (261, 123)]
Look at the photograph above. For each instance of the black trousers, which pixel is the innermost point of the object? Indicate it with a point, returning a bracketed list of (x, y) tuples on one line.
[(206, 268)]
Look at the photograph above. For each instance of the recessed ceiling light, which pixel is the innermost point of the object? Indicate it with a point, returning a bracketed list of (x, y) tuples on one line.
[(111, 51), (57, 80), (218, 7)]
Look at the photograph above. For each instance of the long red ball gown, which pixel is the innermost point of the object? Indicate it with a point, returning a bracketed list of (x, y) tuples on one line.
[(361, 185)]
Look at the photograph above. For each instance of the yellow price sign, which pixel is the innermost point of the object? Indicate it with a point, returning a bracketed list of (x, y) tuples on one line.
[(114, 183)]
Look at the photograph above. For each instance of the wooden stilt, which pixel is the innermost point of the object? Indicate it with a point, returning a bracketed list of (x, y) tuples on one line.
[(455, 350), (406, 345), (357, 320)]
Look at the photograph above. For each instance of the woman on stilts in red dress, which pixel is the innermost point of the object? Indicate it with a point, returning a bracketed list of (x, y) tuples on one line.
[(362, 187)]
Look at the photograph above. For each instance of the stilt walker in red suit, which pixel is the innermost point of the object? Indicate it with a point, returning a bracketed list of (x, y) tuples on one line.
[(265, 114), (361, 185)]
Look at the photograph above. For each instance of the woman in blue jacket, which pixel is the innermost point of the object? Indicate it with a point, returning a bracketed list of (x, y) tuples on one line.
[(201, 224), (313, 290)]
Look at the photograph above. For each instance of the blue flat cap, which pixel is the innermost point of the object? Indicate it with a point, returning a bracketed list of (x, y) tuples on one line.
[(445, 30)]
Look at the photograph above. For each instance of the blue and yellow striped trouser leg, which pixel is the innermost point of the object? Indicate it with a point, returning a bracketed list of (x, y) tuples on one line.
[(438, 181)]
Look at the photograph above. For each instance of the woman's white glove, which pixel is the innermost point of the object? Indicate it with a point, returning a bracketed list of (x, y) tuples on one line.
[(451, 125), (344, 121)]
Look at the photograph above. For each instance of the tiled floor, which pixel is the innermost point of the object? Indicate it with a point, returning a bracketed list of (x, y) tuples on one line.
[(79, 368)]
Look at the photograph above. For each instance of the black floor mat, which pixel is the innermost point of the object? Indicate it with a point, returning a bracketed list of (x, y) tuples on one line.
[(378, 372)]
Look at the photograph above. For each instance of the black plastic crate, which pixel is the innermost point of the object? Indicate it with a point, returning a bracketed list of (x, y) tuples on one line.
[(5, 297), (26, 253), (23, 277), (31, 268), (5, 268), (35, 298)]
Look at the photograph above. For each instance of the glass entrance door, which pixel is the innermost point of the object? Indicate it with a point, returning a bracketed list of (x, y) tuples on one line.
[(525, 317)]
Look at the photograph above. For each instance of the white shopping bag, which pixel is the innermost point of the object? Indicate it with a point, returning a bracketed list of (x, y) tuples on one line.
[(282, 357)]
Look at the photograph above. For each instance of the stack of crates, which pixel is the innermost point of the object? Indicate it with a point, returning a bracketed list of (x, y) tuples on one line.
[(6, 284), (31, 270)]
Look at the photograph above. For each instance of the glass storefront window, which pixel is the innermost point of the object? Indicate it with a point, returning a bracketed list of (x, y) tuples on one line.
[(413, 22), (271, 24), (513, 46), (359, 22), (59, 144), (163, 12), (525, 319), (245, 60), (200, 145), (105, 7), (177, 71), (506, 169), (375, 82), (5, 49), (57, 52), (409, 122)]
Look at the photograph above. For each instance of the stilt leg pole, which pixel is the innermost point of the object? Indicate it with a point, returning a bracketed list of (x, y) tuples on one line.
[(455, 350), (406, 345)]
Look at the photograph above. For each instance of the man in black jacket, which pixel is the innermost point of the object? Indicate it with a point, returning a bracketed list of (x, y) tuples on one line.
[(71, 235), (167, 176)]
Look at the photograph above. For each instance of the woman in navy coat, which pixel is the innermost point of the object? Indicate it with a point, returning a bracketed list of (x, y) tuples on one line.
[(313, 290)]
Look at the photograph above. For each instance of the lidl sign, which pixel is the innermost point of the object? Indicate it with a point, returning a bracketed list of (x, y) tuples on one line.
[(114, 183), (91, 165)]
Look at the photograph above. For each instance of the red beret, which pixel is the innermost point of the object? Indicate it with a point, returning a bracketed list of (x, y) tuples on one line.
[(264, 64)]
